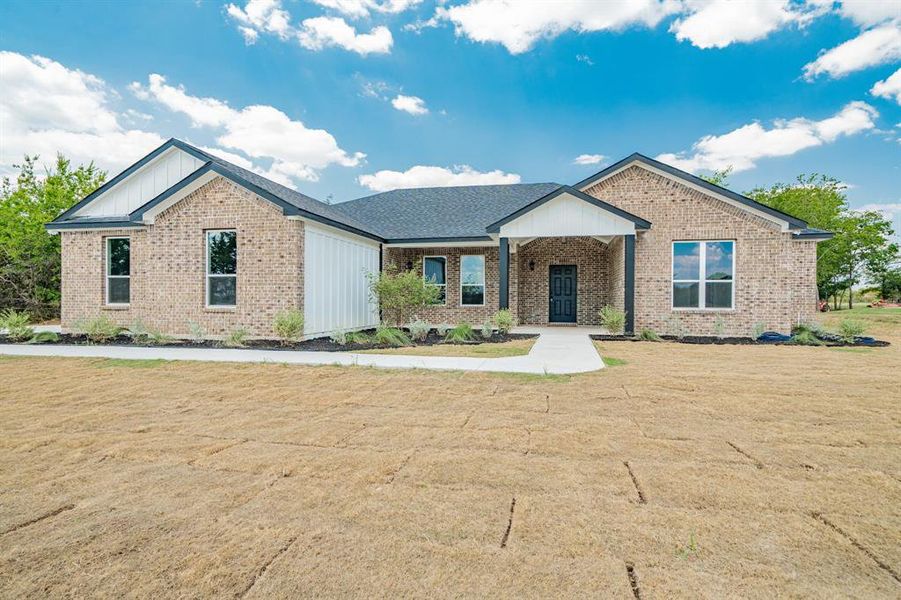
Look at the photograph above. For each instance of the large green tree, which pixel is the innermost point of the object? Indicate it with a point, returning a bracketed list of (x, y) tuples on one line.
[(29, 256)]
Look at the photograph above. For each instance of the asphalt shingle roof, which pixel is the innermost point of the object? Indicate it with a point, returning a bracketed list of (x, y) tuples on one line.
[(442, 212)]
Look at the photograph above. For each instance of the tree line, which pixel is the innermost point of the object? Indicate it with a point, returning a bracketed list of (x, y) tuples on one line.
[(861, 251)]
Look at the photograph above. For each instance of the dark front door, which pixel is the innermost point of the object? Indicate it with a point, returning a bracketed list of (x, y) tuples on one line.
[(563, 294)]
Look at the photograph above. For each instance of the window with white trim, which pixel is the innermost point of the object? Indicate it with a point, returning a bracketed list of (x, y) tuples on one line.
[(472, 280), (434, 271), (221, 268), (118, 270), (703, 274)]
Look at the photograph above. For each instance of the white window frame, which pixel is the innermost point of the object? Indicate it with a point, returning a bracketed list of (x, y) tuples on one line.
[(484, 277), (702, 274), (207, 274), (106, 245), (444, 285)]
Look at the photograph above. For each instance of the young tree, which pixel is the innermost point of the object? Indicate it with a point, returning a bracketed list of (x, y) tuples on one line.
[(29, 256), (863, 246), (400, 294)]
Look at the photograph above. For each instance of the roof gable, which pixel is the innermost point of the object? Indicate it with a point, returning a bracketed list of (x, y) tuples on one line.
[(695, 182)]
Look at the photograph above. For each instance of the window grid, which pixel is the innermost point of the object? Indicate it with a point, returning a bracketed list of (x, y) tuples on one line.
[(477, 284), (209, 276), (702, 280)]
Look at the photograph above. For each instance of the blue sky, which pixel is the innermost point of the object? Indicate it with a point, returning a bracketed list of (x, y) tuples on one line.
[(463, 92)]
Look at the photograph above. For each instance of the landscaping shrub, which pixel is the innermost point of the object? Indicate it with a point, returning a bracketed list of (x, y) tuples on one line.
[(849, 329), (487, 330), (504, 321), (719, 327), (419, 329), (613, 319), (289, 326), (339, 337), (358, 337), (196, 331), (99, 329), (674, 326), (391, 336), (649, 335), (236, 338), (805, 337), (158, 338), (138, 332), (401, 293), (757, 330), (442, 329), (44, 337), (17, 325), (460, 334)]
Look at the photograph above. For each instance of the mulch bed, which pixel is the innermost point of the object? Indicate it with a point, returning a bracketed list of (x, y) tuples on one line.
[(317, 344), (830, 341)]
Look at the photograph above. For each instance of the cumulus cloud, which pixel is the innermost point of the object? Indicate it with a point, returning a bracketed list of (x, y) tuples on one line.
[(410, 104), (867, 13), (259, 132), (589, 159), (889, 88), (743, 147), (873, 47), (518, 25), (361, 8), (428, 176), (268, 16), (47, 108), (720, 23)]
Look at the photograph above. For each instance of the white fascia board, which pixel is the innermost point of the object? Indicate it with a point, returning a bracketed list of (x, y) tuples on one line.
[(785, 225)]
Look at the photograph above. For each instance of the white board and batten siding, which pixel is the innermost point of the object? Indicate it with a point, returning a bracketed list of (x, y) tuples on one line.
[(335, 287), (567, 215), (143, 185)]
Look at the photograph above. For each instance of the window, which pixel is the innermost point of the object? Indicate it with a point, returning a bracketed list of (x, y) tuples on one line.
[(118, 270), (703, 274), (221, 268), (472, 280), (434, 271)]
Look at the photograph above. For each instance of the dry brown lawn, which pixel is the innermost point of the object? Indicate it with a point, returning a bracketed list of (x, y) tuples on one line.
[(688, 471)]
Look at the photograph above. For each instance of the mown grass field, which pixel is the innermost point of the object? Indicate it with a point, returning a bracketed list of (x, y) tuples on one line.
[(679, 471)]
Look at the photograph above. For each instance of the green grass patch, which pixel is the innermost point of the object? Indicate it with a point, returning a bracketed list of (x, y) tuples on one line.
[(137, 363), (609, 361)]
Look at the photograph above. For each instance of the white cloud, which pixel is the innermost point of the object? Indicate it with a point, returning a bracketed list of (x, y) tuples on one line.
[(258, 131), (589, 159), (719, 23), (426, 176), (889, 88), (258, 16), (870, 12), (743, 147), (584, 58), (47, 108), (360, 8), (317, 33), (518, 25), (322, 32), (873, 47), (411, 104)]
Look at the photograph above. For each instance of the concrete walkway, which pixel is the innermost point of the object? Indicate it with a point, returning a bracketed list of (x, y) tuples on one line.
[(557, 351)]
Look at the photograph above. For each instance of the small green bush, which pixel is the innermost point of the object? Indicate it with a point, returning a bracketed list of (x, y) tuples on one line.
[(158, 338), (419, 329), (719, 326), (757, 330), (391, 336), (235, 338), (460, 334), (649, 335), (44, 337), (17, 325), (358, 337), (805, 337), (138, 332), (849, 329), (674, 326), (400, 293), (504, 321), (339, 337), (197, 332), (289, 326), (487, 330), (99, 329), (442, 329), (613, 319)]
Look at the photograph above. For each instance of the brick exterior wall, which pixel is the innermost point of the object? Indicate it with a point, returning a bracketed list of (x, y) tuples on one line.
[(168, 266), (452, 312), (592, 270), (775, 276)]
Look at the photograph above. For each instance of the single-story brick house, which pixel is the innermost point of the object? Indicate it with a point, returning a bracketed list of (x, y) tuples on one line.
[(183, 237)]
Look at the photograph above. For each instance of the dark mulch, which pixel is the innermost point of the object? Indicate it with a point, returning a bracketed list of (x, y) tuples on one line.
[(317, 344), (831, 341)]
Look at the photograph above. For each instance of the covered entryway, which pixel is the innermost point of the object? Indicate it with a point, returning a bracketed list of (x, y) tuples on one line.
[(570, 254)]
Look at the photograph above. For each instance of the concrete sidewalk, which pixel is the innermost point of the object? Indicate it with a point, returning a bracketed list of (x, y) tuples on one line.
[(558, 351)]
